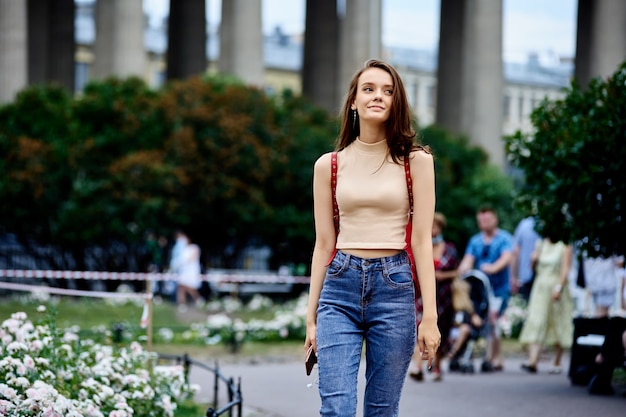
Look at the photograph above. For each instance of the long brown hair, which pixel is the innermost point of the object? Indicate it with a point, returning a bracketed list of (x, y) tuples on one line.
[(399, 131)]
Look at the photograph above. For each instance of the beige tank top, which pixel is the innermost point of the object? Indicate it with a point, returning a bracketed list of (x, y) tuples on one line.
[(372, 198)]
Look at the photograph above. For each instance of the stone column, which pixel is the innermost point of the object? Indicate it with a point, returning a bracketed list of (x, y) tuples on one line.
[(119, 46), (360, 37), (61, 65), (51, 42), (187, 37), (241, 41), (321, 48), (13, 49), (449, 61), (483, 78), (600, 38)]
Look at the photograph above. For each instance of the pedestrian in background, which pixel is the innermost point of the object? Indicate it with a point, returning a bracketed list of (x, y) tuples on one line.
[(491, 252), (550, 308), (185, 263), (602, 276), (446, 261), (524, 240)]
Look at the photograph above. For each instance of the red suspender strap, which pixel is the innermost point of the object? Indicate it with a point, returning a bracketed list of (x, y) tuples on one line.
[(409, 225), (409, 187), (333, 186)]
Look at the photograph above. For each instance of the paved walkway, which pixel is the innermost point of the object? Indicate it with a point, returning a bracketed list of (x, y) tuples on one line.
[(281, 389)]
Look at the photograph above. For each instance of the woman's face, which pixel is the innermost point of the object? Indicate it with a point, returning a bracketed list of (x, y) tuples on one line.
[(374, 96)]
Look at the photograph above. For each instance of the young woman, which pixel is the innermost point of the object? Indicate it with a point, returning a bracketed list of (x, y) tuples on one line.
[(361, 283), (550, 307)]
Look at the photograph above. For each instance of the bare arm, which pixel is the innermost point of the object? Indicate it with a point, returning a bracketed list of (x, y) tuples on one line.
[(325, 240), (515, 269), (467, 263), (566, 261), (502, 262), (423, 178)]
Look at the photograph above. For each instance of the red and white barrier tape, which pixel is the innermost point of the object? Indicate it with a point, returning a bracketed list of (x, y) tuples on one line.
[(61, 291), (216, 277)]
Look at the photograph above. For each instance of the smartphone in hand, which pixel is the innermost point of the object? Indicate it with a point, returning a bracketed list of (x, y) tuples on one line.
[(310, 360)]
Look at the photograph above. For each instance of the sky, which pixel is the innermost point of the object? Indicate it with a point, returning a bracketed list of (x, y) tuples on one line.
[(529, 26)]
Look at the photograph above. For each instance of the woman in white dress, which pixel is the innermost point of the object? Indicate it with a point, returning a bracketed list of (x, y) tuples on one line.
[(187, 264)]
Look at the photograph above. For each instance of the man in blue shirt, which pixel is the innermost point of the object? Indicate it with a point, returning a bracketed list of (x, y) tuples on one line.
[(491, 252), (524, 240)]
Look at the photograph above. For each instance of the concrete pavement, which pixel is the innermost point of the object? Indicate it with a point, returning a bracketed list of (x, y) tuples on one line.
[(280, 388)]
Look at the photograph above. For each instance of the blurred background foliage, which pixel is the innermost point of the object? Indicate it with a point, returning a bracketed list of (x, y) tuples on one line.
[(574, 165), (224, 161)]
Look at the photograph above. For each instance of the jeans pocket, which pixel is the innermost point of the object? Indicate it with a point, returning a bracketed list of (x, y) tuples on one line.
[(399, 276), (337, 266)]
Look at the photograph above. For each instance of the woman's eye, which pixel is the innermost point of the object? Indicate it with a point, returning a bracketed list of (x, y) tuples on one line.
[(389, 92), (367, 89)]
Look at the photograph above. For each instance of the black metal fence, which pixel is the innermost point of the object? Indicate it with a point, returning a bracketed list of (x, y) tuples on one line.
[(234, 406)]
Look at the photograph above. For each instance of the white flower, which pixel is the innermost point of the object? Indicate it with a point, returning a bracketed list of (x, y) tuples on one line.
[(106, 392), (69, 337), (6, 339), (136, 347), (7, 392), (6, 407), (36, 345), (16, 346), (42, 362), (21, 382), (29, 362), (131, 380), (20, 315), (167, 405), (166, 334), (41, 309)]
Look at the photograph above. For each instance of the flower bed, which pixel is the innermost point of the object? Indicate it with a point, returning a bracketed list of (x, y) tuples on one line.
[(45, 371)]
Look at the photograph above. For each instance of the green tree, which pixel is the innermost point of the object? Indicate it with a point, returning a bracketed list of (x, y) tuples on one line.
[(247, 160), (115, 119), (574, 165), (465, 181), (35, 135), (306, 132)]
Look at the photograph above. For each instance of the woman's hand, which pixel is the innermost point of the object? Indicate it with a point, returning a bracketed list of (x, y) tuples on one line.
[(556, 292), (428, 340), (310, 337)]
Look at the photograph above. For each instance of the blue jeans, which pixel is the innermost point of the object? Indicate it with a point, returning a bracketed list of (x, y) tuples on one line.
[(369, 300)]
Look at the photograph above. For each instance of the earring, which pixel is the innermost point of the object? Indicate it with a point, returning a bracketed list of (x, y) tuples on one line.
[(353, 118)]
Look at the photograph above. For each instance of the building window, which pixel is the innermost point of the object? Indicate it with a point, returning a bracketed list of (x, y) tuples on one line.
[(159, 79), (82, 76), (431, 97), (534, 103), (520, 108), (506, 107), (412, 95)]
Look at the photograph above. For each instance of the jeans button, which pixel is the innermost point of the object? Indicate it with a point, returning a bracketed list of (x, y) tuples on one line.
[(366, 263)]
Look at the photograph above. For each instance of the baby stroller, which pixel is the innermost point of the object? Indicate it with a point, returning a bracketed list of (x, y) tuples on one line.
[(481, 296)]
